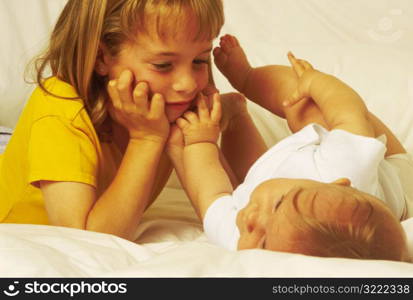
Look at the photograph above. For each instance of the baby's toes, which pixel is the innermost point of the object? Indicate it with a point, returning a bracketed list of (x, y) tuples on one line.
[(220, 57), (232, 41), (226, 45)]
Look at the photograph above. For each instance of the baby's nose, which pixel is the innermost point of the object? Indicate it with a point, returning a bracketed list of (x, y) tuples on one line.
[(343, 181)]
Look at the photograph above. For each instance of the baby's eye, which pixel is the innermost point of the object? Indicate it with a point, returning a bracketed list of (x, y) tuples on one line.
[(262, 242), (277, 204), (264, 245)]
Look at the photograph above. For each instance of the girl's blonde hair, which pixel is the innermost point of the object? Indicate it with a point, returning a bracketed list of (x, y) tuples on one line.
[(84, 24)]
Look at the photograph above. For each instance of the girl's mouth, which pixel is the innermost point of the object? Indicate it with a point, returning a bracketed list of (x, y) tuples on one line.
[(180, 105)]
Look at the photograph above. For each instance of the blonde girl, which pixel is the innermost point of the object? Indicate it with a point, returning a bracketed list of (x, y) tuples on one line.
[(88, 150)]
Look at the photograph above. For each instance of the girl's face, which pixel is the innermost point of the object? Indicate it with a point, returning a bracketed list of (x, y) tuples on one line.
[(176, 67)]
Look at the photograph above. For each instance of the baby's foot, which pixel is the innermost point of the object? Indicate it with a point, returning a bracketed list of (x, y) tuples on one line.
[(231, 60), (234, 106)]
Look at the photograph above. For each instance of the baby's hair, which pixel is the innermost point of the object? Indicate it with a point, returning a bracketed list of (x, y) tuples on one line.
[(84, 24), (365, 235)]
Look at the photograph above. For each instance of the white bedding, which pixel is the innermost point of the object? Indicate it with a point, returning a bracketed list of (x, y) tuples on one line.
[(170, 244), (366, 43)]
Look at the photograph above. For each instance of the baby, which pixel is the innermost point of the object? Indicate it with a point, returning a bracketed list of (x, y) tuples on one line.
[(328, 190)]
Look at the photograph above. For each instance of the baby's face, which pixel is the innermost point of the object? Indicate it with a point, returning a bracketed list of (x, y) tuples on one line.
[(269, 221), (269, 205)]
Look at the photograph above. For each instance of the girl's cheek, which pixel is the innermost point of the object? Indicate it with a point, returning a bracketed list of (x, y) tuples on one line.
[(154, 81), (114, 73), (203, 80)]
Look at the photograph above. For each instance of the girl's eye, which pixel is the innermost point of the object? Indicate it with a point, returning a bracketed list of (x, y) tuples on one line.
[(162, 67), (201, 61)]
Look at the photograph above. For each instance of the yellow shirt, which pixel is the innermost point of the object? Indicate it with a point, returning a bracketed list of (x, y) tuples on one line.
[(54, 140)]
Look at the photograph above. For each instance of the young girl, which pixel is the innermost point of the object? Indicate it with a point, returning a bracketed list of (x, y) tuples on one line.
[(88, 150)]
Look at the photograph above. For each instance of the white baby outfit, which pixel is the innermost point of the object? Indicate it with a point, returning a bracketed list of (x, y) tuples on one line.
[(317, 154)]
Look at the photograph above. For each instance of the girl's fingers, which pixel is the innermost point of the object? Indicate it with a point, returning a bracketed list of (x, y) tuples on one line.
[(209, 90), (208, 98), (124, 86), (157, 105), (114, 95), (191, 117), (203, 111), (216, 111), (181, 122), (140, 97)]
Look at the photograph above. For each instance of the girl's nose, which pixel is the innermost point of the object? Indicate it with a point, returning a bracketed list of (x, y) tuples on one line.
[(185, 82)]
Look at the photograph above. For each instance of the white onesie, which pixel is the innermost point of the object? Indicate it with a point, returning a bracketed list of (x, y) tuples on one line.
[(317, 154)]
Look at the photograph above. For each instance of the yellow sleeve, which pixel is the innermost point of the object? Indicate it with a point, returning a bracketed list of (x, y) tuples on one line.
[(58, 151)]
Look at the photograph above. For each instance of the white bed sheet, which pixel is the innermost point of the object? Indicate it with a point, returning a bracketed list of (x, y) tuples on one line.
[(170, 243), (366, 43)]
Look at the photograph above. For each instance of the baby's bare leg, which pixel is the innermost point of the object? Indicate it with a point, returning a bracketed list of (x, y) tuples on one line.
[(241, 142), (267, 86)]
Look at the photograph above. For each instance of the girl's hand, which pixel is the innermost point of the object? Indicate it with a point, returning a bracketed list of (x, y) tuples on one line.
[(209, 92), (233, 105), (202, 126), (305, 74), (131, 108)]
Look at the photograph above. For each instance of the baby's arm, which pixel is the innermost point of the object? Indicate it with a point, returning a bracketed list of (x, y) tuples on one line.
[(341, 107), (204, 176), (394, 146)]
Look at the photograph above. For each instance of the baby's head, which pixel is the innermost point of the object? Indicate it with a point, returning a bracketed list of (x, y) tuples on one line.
[(319, 219), (88, 44)]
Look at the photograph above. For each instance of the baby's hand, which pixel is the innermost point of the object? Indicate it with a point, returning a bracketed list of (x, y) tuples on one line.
[(130, 106), (202, 126), (305, 74)]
